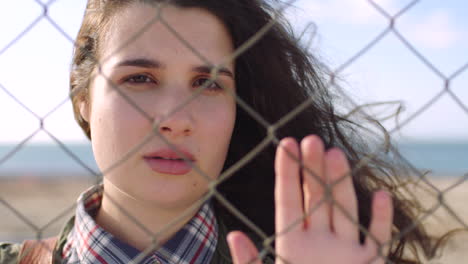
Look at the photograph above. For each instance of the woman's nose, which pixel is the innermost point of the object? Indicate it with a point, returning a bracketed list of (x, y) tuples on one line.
[(176, 122)]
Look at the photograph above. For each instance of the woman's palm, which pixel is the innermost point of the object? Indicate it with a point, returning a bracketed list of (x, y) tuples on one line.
[(316, 222)]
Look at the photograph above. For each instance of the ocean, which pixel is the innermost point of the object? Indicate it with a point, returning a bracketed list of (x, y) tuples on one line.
[(36, 160)]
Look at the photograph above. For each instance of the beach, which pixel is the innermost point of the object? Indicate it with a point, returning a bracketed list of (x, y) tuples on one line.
[(447, 210), (31, 206)]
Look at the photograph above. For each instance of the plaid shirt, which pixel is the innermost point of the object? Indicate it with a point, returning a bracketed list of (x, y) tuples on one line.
[(89, 243)]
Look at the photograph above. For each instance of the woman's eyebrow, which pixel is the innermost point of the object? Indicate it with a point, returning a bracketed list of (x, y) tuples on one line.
[(141, 62), (155, 64), (209, 69)]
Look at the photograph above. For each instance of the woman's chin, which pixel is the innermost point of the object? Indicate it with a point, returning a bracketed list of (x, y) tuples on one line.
[(169, 198)]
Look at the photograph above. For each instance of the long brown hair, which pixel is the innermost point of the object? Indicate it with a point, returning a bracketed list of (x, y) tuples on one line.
[(274, 76)]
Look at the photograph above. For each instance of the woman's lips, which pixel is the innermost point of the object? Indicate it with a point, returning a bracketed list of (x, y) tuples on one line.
[(168, 166), (168, 161)]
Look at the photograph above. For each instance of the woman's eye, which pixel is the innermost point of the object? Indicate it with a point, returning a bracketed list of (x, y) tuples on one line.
[(139, 79), (207, 84)]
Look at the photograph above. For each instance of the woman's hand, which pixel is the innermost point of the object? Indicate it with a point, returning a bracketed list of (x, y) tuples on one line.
[(326, 235)]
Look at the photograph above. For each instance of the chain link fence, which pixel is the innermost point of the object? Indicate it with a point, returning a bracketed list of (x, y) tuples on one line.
[(439, 192)]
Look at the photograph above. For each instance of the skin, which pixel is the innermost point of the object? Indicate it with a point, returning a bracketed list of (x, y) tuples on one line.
[(325, 236), (156, 199)]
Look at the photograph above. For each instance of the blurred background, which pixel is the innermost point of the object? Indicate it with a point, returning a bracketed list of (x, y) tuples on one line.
[(35, 57), (419, 64)]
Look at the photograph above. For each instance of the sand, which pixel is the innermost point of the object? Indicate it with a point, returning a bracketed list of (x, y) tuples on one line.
[(29, 206)]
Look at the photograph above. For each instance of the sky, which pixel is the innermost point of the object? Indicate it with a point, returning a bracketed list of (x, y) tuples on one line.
[(35, 69)]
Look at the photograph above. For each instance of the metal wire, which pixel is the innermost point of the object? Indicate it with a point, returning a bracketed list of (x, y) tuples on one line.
[(270, 128)]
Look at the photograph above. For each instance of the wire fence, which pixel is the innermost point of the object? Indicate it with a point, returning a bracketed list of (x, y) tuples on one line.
[(270, 128)]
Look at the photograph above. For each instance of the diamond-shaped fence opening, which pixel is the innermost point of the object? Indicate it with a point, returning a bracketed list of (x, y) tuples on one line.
[(38, 203), (391, 73), (23, 125), (346, 196), (73, 158), (452, 117)]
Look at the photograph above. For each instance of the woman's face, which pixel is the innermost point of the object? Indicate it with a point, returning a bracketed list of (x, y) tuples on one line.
[(158, 73)]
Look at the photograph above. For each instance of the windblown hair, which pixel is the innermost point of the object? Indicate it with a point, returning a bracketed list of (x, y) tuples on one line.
[(273, 76)]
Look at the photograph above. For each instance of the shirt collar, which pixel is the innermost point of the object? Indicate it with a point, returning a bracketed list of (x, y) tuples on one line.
[(89, 243)]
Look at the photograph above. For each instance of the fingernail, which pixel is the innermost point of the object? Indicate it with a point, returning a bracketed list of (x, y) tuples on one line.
[(285, 141), (230, 237)]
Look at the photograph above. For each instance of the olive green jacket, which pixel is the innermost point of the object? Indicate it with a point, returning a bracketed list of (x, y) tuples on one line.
[(10, 253)]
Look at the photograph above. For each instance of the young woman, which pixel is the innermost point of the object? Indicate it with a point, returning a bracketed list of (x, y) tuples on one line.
[(154, 86)]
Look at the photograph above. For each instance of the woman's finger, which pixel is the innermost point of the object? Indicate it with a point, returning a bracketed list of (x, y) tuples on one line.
[(344, 196), (243, 251), (381, 225), (288, 195), (314, 183)]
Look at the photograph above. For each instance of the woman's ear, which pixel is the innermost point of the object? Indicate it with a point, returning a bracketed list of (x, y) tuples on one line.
[(84, 110)]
